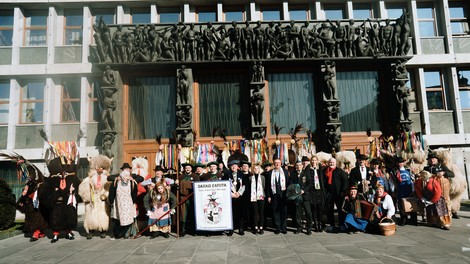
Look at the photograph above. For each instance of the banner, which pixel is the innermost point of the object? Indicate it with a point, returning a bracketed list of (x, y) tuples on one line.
[(213, 205)]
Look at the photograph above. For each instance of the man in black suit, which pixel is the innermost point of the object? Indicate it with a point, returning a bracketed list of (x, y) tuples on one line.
[(360, 174), (276, 191), (336, 185), (303, 178), (238, 188)]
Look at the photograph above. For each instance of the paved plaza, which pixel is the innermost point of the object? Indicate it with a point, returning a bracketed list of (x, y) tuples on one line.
[(410, 244)]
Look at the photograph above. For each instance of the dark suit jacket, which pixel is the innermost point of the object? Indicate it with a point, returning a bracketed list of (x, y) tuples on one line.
[(356, 178), (310, 182), (339, 183), (240, 180), (269, 191)]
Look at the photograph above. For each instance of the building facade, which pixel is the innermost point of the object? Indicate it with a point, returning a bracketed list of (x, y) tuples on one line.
[(53, 75)]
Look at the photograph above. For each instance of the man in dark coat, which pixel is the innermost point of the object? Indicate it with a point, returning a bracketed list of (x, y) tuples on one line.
[(185, 182), (336, 185), (359, 174), (276, 191), (238, 187), (304, 180), (317, 193)]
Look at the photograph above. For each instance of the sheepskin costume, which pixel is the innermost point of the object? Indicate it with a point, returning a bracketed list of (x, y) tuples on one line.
[(94, 191), (346, 160), (458, 184)]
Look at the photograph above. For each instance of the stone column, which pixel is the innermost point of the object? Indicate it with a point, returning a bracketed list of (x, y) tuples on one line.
[(184, 106), (258, 121), (331, 107)]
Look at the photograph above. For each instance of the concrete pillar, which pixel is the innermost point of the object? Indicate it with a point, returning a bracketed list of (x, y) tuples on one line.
[(455, 95), (382, 10), (55, 27), (18, 33), (349, 10), (422, 100), (87, 33), (84, 107), (415, 28), (220, 12), (445, 20), (153, 14), (285, 11), (13, 110)]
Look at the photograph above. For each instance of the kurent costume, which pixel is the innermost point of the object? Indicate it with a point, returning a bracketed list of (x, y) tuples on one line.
[(94, 191), (123, 195), (157, 204)]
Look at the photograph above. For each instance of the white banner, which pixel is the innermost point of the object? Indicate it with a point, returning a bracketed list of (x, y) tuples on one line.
[(213, 205)]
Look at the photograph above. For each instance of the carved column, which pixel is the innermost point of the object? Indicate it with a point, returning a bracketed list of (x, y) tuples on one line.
[(402, 93), (331, 107), (184, 106), (108, 103), (258, 121)]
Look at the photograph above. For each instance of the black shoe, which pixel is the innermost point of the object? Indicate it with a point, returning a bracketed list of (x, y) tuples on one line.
[(445, 228), (276, 232), (103, 235), (299, 230), (70, 236), (55, 239), (241, 232), (309, 232), (183, 233), (165, 235), (255, 231), (32, 239), (230, 233), (261, 231), (284, 231), (89, 236), (455, 216)]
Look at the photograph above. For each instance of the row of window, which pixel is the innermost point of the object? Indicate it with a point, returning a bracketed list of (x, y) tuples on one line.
[(35, 23), (32, 96)]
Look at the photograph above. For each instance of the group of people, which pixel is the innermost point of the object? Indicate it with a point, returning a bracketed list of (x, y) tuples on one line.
[(146, 43), (362, 197)]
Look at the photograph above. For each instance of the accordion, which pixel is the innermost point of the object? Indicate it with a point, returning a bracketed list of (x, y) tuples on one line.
[(368, 210)]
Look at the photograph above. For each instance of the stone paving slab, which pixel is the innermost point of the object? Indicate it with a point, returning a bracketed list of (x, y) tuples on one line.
[(409, 245)]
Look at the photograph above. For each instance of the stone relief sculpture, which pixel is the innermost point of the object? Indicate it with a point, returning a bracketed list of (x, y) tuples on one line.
[(329, 74), (257, 105)]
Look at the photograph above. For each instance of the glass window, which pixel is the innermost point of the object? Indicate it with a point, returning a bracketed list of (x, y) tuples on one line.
[(32, 102), (434, 90), (35, 28), (270, 13), (363, 11), (426, 20), (395, 10), (70, 111), (140, 15), (168, 15), (106, 14), (458, 18), (204, 16), (6, 27), (299, 13), (152, 107), (221, 104), (291, 100), (358, 92), (4, 101), (73, 27), (234, 14), (334, 12), (464, 88)]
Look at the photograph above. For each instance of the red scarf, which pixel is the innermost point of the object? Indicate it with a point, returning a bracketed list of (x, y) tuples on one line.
[(329, 174)]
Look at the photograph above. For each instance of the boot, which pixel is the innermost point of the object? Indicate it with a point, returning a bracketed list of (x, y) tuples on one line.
[(455, 215), (70, 236), (89, 235), (55, 238), (165, 235), (103, 234)]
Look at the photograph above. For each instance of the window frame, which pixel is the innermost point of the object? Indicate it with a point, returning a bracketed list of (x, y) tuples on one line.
[(168, 10), (433, 19), (75, 12), (463, 87), (7, 101), (341, 7), (64, 100), (27, 28), (462, 20), (234, 9), (24, 84), (441, 89), (263, 8), (4, 13)]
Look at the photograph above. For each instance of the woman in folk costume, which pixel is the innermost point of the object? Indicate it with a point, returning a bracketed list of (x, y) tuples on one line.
[(123, 194), (386, 208), (353, 221), (58, 195), (257, 196), (429, 192), (94, 191), (158, 201)]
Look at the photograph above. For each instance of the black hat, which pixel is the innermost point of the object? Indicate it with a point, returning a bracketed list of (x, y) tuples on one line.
[(362, 157), (199, 165), (158, 168), (400, 160), (305, 158), (265, 164), (375, 161), (233, 162), (432, 156), (352, 187), (212, 163), (126, 166), (243, 162), (187, 164)]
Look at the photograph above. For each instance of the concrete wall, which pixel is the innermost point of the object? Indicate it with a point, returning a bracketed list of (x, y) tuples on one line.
[(442, 122), (28, 137), (3, 137), (466, 121)]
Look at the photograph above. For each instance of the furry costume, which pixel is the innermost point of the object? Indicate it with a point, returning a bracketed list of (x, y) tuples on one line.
[(7, 205), (94, 191), (458, 183), (346, 159)]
